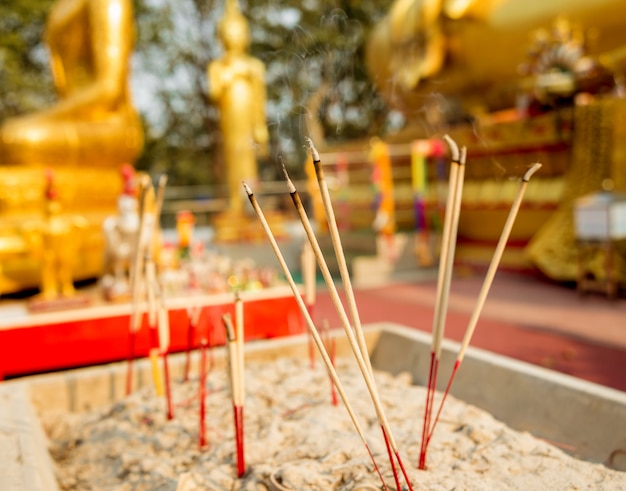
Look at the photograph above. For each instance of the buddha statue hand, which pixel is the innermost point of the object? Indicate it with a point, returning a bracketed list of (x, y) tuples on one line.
[(261, 137)]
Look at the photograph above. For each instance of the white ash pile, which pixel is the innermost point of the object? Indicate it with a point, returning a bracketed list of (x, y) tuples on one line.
[(295, 439)]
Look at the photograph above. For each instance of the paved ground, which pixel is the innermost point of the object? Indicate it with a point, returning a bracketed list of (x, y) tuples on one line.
[(524, 317)]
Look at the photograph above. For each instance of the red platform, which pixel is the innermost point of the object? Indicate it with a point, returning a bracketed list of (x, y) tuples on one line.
[(33, 343)]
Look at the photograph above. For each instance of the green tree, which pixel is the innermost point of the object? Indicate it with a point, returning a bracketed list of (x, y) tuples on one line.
[(25, 79)]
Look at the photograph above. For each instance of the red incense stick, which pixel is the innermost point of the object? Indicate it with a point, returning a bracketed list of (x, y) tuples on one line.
[(482, 296), (235, 384), (137, 280), (308, 278), (168, 388), (193, 316), (329, 342), (446, 264), (241, 463), (311, 326), (357, 350), (202, 394), (131, 356), (163, 337)]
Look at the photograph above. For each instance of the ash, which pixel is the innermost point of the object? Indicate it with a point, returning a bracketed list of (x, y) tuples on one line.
[(295, 439)]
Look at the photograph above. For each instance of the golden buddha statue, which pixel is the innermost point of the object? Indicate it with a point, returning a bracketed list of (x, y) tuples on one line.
[(86, 137), (517, 80), (237, 85), (53, 241), (471, 50)]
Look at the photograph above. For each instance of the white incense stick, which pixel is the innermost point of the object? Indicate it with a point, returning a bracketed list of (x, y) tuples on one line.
[(308, 274), (151, 292), (236, 383), (233, 359), (317, 251), (163, 322), (316, 337), (493, 266), (450, 248), (446, 265), (339, 252), (239, 334), (193, 316), (495, 261), (309, 322), (347, 284), (308, 277), (137, 279), (160, 195), (363, 366)]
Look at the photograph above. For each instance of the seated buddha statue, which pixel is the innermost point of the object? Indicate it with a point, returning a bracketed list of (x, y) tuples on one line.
[(85, 137), (93, 123)]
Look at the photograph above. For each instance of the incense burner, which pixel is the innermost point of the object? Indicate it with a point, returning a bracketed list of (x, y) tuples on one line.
[(580, 416)]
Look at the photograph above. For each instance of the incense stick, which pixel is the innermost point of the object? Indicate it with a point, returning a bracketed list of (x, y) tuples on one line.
[(239, 342), (239, 417), (310, 325), (329, 343), (446, 265), (358, 354), (202, 394), (193, 318), (164, 344), (149, 279), (308, 278), (205, 343), (488, 280), (136, 279), (236, 383), (347, 284), (339, 253)]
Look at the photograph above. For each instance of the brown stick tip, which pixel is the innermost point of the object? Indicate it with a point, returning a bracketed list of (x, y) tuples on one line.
[(534, 168), (454, 148), (228, 325), (314, 153), (247, 188), (463, 156), (292, 188)]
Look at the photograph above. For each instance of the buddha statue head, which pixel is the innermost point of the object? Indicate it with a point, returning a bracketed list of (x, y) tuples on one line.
[(233, 29)]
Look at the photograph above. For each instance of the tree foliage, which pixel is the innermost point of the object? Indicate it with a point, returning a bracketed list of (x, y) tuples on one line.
[(25, 80), (312, 49)]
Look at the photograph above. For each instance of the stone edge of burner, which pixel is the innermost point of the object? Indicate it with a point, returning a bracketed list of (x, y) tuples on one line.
[(582, 418), (25, 463)]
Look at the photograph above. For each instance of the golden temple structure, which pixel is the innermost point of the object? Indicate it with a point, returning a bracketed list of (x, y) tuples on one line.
[(517, 82)]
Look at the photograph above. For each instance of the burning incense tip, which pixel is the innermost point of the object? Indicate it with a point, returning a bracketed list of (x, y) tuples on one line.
[(454, 148), (228, 324), (463, 155), (292, 188), (314, 152), (534, 168), (247, 188)]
